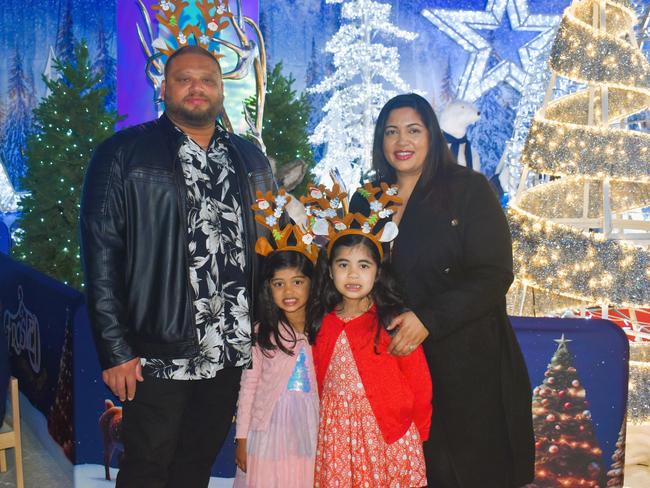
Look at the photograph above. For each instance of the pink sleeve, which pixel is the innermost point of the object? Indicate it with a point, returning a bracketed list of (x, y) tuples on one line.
[(248, 385), (416, 371)]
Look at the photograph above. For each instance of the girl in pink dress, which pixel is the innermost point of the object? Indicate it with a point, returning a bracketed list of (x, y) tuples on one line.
[(375, 407), (277, 416)]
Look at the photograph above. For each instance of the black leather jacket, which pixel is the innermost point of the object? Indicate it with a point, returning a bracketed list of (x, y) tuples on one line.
[(134, 241)]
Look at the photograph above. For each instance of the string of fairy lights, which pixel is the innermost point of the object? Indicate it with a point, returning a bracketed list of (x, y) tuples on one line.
[(590, 166)]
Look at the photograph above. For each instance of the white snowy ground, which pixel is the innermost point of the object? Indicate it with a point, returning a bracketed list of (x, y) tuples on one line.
[(92, 476)]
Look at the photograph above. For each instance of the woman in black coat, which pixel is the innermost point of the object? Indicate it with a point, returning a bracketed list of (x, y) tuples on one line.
[(454, 257)]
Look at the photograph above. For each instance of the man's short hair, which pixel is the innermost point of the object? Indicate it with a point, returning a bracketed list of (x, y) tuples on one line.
[(191, 49)]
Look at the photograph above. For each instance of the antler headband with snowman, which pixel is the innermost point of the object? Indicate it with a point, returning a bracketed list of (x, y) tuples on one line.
[(268, 212), (329, 218)]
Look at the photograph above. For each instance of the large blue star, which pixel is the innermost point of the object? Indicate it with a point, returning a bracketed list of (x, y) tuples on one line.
[(463, 26)]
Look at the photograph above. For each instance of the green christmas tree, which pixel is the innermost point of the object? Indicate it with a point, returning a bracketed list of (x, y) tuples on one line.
[(284, 127), (70, 123), (566, 450)]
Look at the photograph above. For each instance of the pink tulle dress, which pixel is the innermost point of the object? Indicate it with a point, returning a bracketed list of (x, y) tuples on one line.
[(283, 455)]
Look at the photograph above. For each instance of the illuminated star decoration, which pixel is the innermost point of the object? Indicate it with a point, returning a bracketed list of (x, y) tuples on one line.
[(462, 26)]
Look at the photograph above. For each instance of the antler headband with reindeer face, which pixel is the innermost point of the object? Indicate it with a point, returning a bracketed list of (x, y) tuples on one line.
[(269, 210), (325, 207), (178, 24)]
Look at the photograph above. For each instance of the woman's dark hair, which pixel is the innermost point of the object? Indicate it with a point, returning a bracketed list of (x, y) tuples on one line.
[(325, 297), (439, 159), (269, 331)]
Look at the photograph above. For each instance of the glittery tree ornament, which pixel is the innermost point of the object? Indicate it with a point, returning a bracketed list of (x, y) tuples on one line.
[(364, 68), (574, 241), (566, 449)]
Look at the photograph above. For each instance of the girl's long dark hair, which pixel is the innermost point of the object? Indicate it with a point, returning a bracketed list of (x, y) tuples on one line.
[(439, 161), (325, 297), (270, 335)]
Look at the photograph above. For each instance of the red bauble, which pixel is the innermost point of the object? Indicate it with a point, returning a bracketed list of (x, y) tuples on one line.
[(553, 449), (582, 428), (550, 418), (567, 406), (550, 380), (562, 393), (545, 402), (557, 427), (575, 383)]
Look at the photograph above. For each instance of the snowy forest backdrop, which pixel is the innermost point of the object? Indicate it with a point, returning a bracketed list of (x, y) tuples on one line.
[(31, 31), (295, 34)]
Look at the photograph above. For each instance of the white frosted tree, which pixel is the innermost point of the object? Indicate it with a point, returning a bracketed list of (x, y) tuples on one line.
[(366, 75)]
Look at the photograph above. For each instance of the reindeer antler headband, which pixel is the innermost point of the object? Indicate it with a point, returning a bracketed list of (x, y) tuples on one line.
[(269, 210), (324, 206)]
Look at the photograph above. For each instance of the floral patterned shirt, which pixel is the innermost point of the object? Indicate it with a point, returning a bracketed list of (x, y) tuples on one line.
[(217, 257)]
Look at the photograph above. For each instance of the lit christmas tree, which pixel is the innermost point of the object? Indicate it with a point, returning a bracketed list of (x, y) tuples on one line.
[(363, 68), (566, 449), (60, 417), (71, 121), (285, 122), (18, 122), (576, 239)]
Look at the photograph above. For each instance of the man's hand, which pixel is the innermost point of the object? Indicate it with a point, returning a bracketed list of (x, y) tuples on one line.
[(241, 454), (411, 332), (122, 379)]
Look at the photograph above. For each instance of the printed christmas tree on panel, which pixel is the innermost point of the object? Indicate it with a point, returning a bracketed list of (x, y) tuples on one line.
[(615, 473), (566, 450), (59, 419), (105, 67), (17, 125), (495, 126), (65, 36), (364, 66)]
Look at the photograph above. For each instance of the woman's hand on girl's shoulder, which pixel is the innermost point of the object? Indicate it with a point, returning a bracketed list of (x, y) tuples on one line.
[(411, 332)]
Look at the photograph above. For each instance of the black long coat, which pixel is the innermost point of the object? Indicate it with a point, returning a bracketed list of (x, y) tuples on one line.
[(455, 264)]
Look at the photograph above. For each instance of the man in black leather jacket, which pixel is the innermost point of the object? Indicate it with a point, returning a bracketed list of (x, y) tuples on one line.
[(170, 269)]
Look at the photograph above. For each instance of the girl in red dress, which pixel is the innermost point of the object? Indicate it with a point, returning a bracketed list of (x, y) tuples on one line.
[(375, 407)]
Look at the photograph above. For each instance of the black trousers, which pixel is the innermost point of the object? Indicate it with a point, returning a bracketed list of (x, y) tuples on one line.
[(173, 430), (440, 470)]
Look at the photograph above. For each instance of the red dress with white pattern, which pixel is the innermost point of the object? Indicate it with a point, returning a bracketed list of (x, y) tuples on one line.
[(351, 451)]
